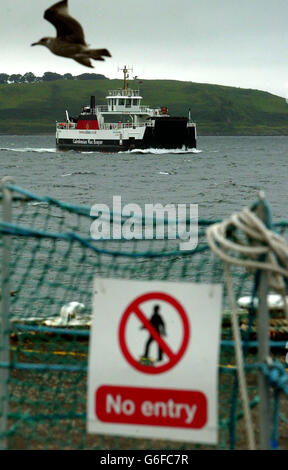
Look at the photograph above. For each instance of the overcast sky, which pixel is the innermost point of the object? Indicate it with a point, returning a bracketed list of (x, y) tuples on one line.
[(241, 43)]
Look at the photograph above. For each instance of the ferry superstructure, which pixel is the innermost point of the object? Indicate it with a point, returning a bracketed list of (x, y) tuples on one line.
[(125, 124)]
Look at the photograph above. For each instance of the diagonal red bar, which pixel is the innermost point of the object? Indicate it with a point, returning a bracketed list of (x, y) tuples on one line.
[(155, 335)]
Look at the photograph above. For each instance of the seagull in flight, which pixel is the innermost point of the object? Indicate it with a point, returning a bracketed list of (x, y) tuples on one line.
[(70, 40)]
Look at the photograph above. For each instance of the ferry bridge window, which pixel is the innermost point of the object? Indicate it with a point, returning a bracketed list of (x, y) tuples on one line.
[(135, 102), (121, 102), (128, 103)]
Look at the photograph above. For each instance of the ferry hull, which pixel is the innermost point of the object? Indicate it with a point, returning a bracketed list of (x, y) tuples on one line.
[(168, 133)]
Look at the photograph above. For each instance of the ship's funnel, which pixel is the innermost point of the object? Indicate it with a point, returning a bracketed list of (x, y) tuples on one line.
[(92, 103)]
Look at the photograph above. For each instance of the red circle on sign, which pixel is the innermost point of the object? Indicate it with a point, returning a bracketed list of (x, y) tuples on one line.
[(134, 308)]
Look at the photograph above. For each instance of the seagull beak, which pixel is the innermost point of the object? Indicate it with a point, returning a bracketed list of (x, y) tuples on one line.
[(35, 44)]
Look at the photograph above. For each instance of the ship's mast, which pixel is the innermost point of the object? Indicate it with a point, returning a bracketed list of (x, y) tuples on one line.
[(126, 71)]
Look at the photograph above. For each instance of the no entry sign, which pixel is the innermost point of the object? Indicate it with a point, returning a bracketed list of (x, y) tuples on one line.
[(153, 360), (134, 308)]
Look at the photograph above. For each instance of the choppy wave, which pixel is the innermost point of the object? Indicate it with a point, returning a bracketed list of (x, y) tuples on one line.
[(152, 151), (38, 203), (163, 151), (28, 149), (80, 173), (84, 153)]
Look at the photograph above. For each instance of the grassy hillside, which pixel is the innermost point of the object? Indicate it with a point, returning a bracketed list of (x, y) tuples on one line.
[(218, 110)]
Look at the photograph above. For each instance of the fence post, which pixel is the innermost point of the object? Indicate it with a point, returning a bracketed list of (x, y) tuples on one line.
[(4, 315), (263, 355)]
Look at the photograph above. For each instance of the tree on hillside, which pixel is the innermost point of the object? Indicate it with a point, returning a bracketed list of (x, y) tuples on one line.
[(68, 76), (15, 78), (29, 77), (90, 76), (50, 76), (4, 77)]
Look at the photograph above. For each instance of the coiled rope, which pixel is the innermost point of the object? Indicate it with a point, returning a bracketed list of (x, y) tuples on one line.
[(244, 240), (263, 243)]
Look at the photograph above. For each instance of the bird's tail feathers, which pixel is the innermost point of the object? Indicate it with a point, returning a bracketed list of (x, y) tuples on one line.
[(84, 61), (97, 54)]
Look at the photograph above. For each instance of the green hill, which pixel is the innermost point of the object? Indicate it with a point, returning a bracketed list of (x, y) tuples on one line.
[(33, 108)]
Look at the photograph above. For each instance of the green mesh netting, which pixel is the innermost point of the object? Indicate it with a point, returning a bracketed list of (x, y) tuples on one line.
[(53, 261)]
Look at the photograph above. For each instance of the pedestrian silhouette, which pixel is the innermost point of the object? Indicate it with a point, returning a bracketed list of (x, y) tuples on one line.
[(157, 322)]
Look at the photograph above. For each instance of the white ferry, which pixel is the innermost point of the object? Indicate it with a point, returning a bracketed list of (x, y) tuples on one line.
[(125, 124)]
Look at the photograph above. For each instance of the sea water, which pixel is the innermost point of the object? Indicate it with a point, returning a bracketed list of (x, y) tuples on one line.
[(222, 176)]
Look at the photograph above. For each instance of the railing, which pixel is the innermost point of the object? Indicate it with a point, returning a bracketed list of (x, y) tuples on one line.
[(125, 125), (122, 92), (66, 125), (122, 109), (106, 126), (118, 125), (119, 109), (101, 109)]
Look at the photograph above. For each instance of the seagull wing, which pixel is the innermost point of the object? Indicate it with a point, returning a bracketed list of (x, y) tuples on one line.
[(68, 29)]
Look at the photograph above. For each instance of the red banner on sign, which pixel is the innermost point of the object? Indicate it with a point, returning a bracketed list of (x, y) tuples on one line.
[(149, 406)]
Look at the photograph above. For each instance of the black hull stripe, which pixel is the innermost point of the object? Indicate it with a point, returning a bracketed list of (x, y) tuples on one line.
[(113, 147)]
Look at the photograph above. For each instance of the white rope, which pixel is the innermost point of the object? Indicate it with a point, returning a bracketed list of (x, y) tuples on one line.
[(260, 241), (240, 361), (255, 240)]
